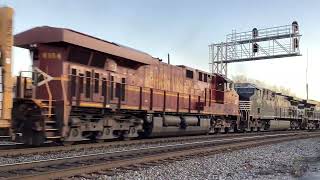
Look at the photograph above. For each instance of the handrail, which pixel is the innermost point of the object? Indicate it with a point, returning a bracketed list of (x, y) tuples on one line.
[(100, 79)]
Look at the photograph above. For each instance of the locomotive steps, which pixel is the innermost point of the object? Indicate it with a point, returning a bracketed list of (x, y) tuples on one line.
[(133, 158)]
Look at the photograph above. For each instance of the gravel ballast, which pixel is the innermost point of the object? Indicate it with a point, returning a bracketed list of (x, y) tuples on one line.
[(87, 151), (76, 152), (288, 160)]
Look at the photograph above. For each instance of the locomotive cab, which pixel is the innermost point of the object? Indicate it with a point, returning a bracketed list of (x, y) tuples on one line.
[(75, 90)]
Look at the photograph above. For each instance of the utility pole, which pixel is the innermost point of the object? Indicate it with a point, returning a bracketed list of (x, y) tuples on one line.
[(307, 86), (6, 44)]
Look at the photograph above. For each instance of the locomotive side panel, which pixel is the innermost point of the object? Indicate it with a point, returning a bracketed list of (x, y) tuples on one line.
[(49, 60), (263, 104), (283, 109)]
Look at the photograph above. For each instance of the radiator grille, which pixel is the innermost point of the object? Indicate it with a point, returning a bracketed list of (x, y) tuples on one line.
[(245, 105)]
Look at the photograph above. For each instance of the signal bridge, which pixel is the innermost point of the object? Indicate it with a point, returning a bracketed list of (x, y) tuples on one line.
[(269, 43)]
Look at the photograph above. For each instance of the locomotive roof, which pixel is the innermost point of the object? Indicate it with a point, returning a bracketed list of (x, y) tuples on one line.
[(204, 72), (47, 34), (246, 85), (289, 97), (224, 77)]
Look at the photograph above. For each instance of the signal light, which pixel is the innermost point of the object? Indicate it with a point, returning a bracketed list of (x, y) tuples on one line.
[(255, 32), (255, 47), (295, 43), (295, 27)]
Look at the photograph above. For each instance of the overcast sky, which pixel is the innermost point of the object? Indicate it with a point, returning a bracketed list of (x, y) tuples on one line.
[(185, 29)]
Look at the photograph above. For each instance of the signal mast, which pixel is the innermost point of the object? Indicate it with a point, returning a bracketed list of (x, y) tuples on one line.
[(269, 43)]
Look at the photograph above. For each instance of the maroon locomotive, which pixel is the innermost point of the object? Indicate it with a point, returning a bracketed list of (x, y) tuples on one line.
[(85, 88)]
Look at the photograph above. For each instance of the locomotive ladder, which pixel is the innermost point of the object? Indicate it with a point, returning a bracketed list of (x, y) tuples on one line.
[(51, 128)]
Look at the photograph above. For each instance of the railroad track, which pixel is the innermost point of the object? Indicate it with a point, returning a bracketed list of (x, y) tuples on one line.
[(100, 162), (19, 149), (10, 146)]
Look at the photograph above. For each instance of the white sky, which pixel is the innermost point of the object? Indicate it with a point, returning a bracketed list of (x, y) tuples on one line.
[(185, 29)]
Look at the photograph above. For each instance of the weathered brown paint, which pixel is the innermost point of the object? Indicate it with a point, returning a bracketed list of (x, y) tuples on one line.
[(154, 86)]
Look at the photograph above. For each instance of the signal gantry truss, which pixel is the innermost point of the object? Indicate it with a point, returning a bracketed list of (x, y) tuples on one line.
[(269, 43)]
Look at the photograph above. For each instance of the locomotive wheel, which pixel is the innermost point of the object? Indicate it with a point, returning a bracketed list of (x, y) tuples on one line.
[(32, 133), (31, 137), (68, 143), (100, 141), (235, 128), (27, 124)]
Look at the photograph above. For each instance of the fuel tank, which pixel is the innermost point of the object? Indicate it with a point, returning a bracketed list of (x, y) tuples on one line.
[(279, 125), (176, 126)]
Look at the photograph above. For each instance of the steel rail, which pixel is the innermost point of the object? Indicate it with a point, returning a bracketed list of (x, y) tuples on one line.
[(50, 149)]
